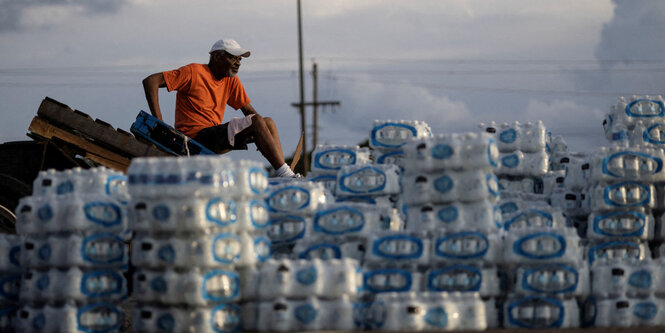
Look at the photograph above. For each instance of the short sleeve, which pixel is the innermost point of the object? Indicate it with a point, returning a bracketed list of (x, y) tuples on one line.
[(237, 95), (178, 79)]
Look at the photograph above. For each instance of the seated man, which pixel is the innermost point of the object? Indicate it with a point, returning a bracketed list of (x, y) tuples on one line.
[(203, 93)]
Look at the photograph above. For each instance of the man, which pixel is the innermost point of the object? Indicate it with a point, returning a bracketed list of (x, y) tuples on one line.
[(203, 93)]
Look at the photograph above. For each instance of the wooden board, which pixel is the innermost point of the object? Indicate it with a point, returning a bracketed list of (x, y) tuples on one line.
[(102, 132), (110, 159)]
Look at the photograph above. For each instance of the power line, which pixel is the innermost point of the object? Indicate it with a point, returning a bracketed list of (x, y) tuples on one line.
[(499, 89)]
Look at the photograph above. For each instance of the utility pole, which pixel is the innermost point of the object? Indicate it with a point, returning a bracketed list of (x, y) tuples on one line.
[(315, 104), (315, 99), (303, 123)]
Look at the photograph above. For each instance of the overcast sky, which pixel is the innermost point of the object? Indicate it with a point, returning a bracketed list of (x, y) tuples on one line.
[(450, 63)]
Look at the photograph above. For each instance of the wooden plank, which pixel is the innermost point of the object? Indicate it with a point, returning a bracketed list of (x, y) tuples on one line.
[(42, 128), (107, 162), (60, 114)]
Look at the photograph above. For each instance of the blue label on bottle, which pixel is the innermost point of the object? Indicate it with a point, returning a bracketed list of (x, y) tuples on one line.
[(448, 214), (640, 279), (338, 221), (98, 318), (323, 251), (508, 136), (386, 135), (307, 276), (45, 213), (436, 317), (103, 213), (334, 159), (398, 247), (645, 310), (220, 285), (443, 184), (166, 253), (556, 306), (166, 323), (458, 245), (442, 151), (305, 313), (541, 245), (547, 279)]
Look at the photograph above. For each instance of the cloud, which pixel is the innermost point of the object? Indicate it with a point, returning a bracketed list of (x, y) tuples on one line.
[(631, 45), (18, 14), (364, 101)]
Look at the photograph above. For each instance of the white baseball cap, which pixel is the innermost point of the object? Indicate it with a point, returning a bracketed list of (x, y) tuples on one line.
[(231, 46)]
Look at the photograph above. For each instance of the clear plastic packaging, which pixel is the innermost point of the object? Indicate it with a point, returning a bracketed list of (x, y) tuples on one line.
[(196, 176), (449, 186), (527, 137), (634, 224), (389, 134), (464, 278), (10, 253), (453, 216), (209, 250), (617, 250), (300, 278), (99, 180), (194, 287), (93, 251), (398, 247), (624, 312), (539, 245), (330, 158), (301, 198), (623, 194), (211, 319), (95, 317), (635, 163), (564, 280), (430, 311), (75, 212), (198, 215), (310, 314), (375, 180), (466, 151), (478, 247), (73, 284), (517, 163), (540, 312), (625, 278)]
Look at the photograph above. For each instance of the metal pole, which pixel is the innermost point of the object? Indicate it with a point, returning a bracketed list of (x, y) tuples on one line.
[(315, 117), (303, 123)]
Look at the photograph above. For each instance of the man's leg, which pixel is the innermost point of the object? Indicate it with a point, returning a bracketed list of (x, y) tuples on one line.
[(266, 138)]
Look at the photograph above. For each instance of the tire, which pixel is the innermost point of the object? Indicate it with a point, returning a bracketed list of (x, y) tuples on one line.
[(11, 191)]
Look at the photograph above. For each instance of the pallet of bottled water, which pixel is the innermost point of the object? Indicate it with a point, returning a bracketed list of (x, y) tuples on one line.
[(73, 252)]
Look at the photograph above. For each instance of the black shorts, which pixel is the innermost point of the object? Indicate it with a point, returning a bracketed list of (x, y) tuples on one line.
[(216, 138)]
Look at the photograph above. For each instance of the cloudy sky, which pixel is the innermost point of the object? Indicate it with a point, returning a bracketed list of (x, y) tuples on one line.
[(450, 63)]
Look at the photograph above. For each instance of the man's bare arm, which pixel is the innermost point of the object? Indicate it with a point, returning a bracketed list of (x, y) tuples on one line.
[(248, 109), (151, 85)]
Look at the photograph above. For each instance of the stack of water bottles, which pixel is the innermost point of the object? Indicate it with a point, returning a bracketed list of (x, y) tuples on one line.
[(200, 225), (524, 157), (74, 253), (388, 137), (543, 261), (328, 159), (636, 121), (432, 275), (312, 291), (626, 283), (10, 279)]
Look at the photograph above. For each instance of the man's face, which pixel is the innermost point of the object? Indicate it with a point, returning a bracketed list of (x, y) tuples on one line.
[(227, 63)]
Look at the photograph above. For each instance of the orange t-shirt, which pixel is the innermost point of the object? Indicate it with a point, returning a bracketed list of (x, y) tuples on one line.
[(201, 99)]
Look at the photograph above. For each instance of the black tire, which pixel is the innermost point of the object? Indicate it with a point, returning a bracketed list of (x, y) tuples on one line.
[(11, 190)]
